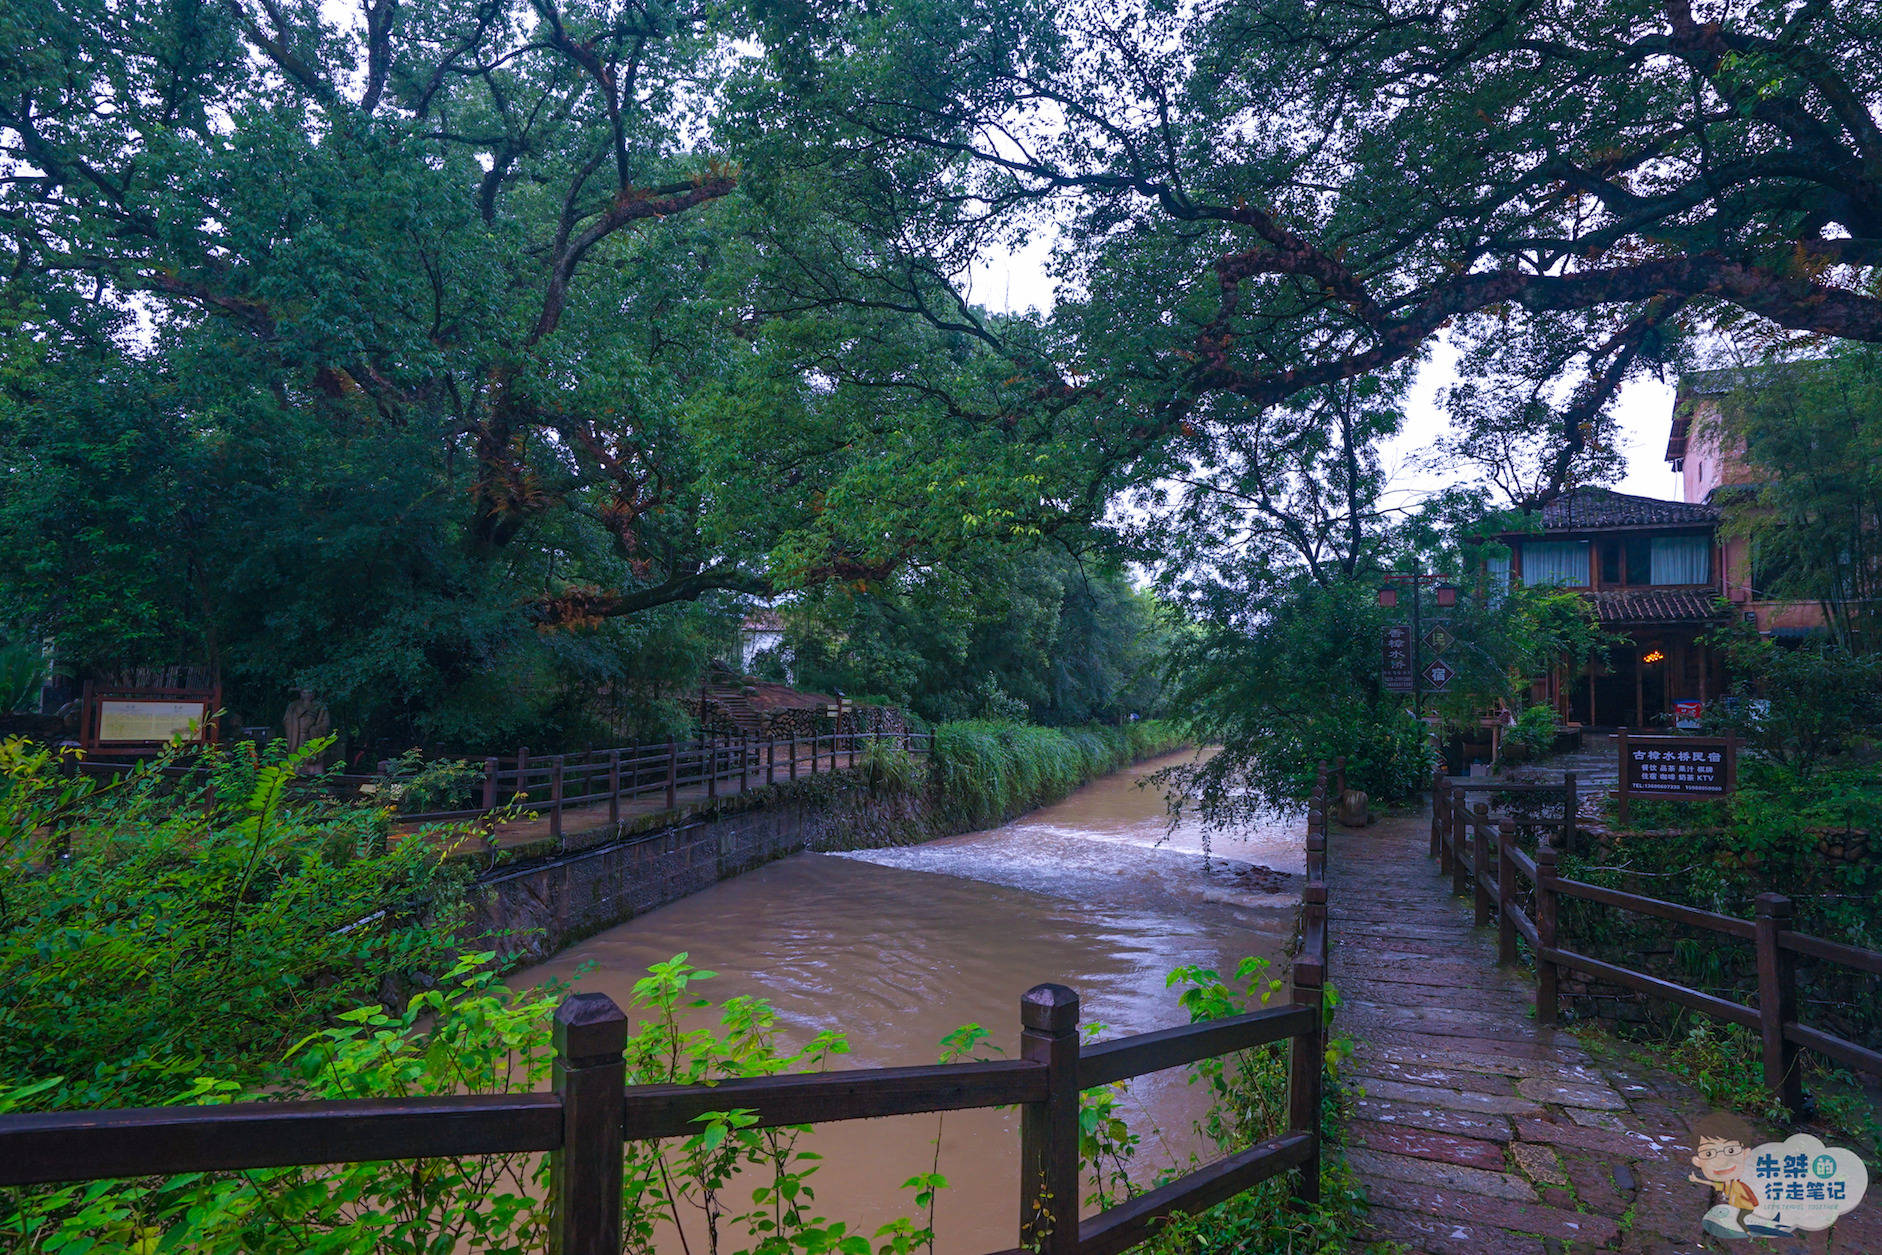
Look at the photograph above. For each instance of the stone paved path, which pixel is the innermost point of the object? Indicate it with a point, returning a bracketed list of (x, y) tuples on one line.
[(1479, 1131)]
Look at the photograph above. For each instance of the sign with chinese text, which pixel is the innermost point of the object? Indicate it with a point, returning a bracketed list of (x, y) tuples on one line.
[(1438, 676), (128, 722), (1675, 767), (1396, 665), (1440, 638)]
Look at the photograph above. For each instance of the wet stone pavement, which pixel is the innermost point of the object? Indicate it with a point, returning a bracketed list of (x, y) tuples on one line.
[(1480, 1131)]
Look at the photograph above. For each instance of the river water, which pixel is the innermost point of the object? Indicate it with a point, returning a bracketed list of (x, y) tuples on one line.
[(897, 947)]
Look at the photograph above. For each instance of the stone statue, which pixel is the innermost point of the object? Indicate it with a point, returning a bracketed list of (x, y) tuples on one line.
[(307, 719)]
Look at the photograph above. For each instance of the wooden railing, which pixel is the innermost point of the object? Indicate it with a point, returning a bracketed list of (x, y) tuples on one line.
[(1485, 860), (551, 784), (590, 1112)]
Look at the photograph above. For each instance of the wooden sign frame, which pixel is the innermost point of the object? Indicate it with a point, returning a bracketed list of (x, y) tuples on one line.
[(1727, 746), (97, 733)]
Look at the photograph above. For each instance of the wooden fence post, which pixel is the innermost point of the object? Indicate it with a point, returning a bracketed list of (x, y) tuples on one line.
[(793, 755), (555, 796), (490, 784), (1048, 1131), (1571, 808), (585, 1174), (771, 760), (1624, 809), (614, 786), (1440, 794), (712, 768), (673, 775), (1307, 1054), (1545, 934), (1505, 892), (1777, 1001), (1480, 867), (1460, 844)]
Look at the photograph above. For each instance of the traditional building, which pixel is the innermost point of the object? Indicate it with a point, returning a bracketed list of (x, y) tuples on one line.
[(1652, 570)]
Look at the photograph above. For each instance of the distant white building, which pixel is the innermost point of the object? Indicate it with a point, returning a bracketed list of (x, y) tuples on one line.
[(761, 630)]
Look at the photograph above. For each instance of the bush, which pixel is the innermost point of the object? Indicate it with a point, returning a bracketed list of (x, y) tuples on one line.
[(1533, 733), (154, 929), (984, 772), (1800, 706)]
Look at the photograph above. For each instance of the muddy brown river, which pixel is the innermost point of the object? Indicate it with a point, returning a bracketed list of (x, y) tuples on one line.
[(897, 947)]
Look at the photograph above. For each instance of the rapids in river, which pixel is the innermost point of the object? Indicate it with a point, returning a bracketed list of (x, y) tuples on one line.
[(898, 947)]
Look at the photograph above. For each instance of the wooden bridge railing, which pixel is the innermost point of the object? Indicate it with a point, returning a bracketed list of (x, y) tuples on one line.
[(1484, 859), (551, 784), (583, 1122)]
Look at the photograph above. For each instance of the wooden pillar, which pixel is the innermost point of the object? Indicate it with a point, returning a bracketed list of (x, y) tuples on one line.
[(1048, 1130), (555, 795), (793, 755), (1546, 970), (1480, 862), (1777, 1001), (614, 786), (771, 760), (585, 1172), (1640, 696), (490, 784), (1505, 892), (1592, 721), (673, 775), (1307, 1054), (1624, 808)]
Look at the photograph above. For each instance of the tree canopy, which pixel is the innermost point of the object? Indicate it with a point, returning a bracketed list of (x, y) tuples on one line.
[(1263, 197), (393, 348)]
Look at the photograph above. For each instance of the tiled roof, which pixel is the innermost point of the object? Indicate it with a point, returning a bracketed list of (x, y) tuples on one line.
[(1583, 508), (1653, 606)]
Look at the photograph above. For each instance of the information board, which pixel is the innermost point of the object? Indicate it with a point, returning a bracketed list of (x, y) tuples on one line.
[(125, 721), (1675, 767)]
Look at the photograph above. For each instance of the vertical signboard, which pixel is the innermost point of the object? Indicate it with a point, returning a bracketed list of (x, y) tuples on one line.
[(1396, 663)]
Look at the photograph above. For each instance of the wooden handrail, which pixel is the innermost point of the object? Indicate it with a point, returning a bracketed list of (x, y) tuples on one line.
[(1129, 1223), (1458, 841), (655, 1111), (150, 1141), (1731, 926), (1718, 1008), (1174, 1047)]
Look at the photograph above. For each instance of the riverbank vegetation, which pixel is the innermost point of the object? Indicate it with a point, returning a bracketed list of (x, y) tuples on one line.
[(986, 771), (160, 928)]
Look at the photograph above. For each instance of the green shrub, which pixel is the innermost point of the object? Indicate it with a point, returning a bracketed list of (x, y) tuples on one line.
[(1533, 732), (984, 772), (153, 929)]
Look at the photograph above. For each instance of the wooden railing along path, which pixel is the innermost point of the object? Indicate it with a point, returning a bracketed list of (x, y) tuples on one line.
[(1484, 860), (551, 784), (583, 1121)]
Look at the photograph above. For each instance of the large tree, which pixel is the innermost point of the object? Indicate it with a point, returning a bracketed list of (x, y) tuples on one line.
[(348, 347), (1262, 197)]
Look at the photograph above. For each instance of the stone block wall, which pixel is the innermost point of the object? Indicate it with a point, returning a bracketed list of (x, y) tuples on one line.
[(531, 911)]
